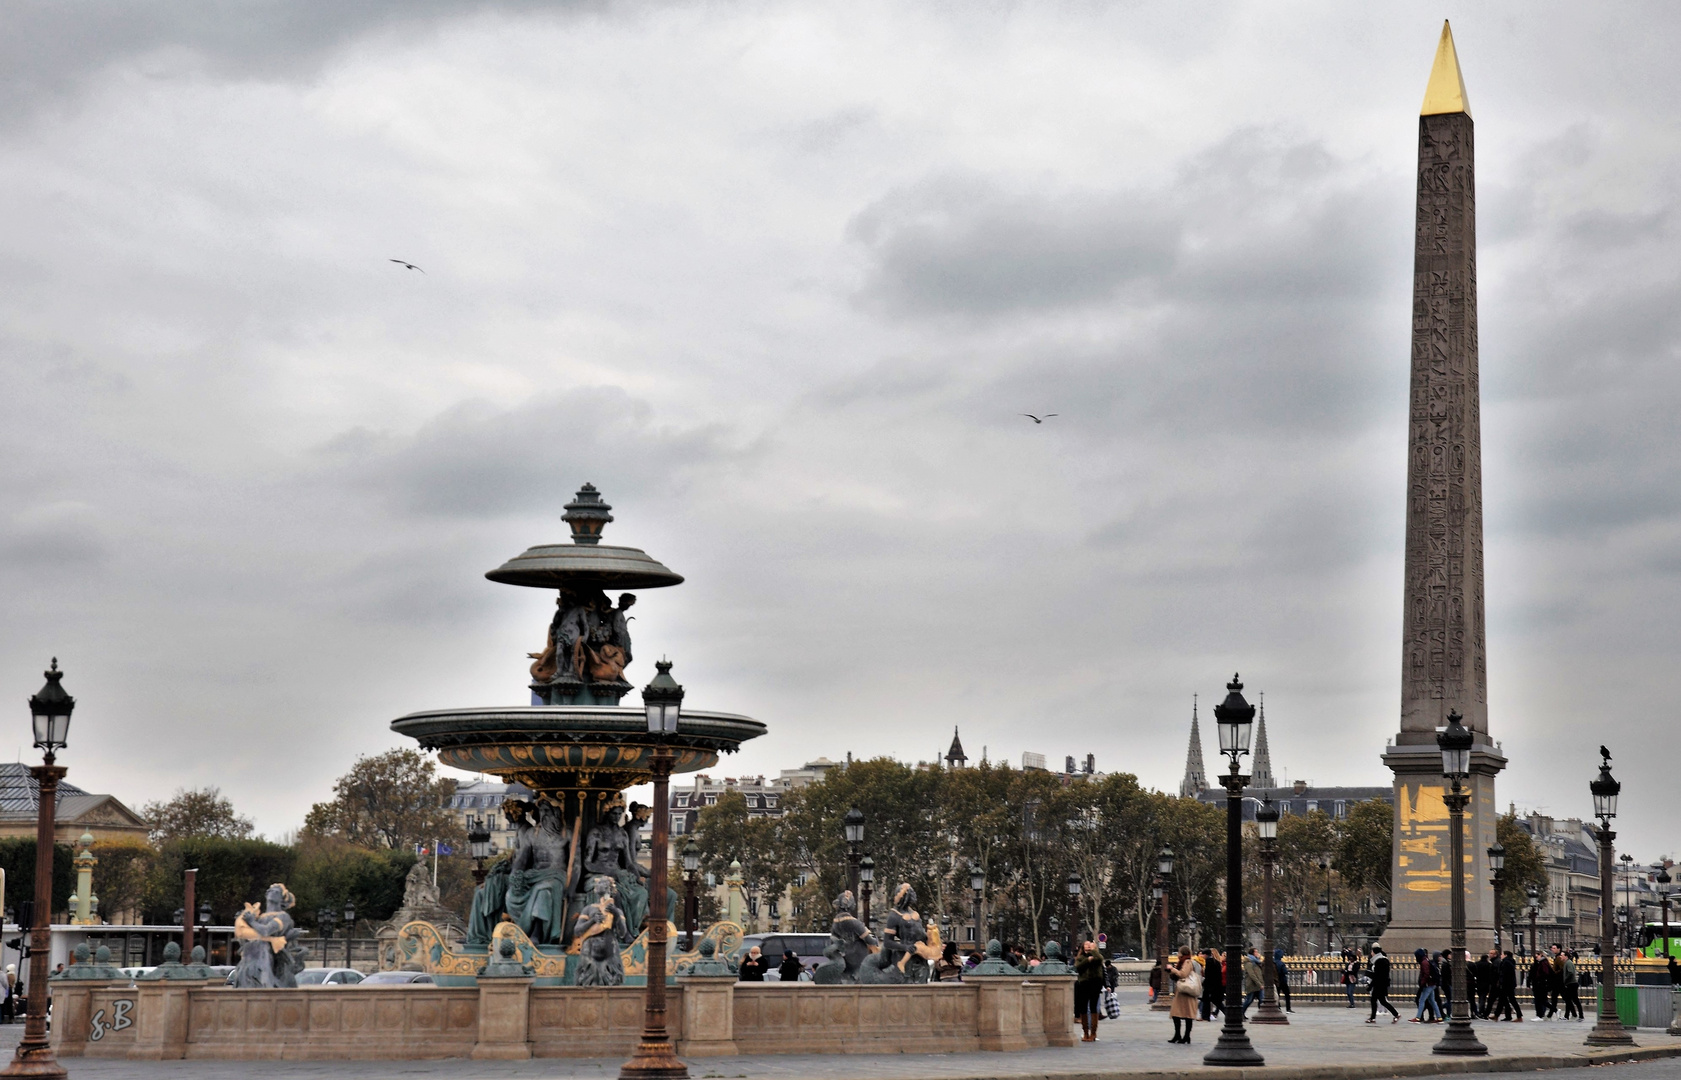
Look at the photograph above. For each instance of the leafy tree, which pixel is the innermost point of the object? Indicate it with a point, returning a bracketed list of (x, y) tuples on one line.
[(231, 874), (17, 857), (200, 812), (1525, 866), (125, 864), (1365, 852), (330, 871), (394, 800), (725, 832)]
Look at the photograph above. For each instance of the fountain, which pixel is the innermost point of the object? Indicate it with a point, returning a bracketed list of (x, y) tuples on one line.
[(577, 749)]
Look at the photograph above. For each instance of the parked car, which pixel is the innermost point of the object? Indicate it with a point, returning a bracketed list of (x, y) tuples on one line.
[(808, 947), (398, 978), (324, 976), (136, 972), (1126, 958)]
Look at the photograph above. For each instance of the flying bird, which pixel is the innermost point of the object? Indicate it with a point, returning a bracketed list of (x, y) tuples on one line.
[(1040, 419), (410, 265)]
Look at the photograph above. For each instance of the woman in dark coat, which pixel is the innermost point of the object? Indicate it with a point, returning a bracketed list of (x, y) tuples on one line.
[(1088, 990)]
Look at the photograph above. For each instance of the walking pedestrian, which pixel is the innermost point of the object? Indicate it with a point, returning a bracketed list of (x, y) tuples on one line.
[(1426, 996), (789, 969), (1350, 973), (1252, 981), (1540, 975), (1088, 990), (1187, 989), (1568, 986), (1213, 982), (1508, 1006), (1486, 978), (1281, 976), (1380, 986)]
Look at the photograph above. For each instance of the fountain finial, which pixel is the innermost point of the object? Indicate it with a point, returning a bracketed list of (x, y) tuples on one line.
[(588, 515)]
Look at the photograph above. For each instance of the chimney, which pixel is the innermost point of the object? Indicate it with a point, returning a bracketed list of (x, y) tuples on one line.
[(1299, 787)]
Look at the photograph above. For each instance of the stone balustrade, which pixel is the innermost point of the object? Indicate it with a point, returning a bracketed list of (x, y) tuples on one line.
[(510, 1019)]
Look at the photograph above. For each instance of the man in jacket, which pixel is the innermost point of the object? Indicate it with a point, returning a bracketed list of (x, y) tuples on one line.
[(1426, 998), (1486, 981), (1572, 977), (1508, 1006), (1540, 981), (1213, 983), (1380, 986), (1252, 982), (1281, 978)]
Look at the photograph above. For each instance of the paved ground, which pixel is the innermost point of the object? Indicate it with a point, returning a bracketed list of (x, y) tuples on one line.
[(1320, 1044)]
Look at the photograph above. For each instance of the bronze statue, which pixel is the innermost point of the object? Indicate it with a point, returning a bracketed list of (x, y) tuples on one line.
[(589, 639), (269, 953), (598, 932), (906, 945), (850, 944), (610, 849)]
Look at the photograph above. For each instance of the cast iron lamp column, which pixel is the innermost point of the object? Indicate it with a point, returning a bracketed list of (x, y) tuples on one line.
[(866, 880), (1164, 871), (1266, 826), (691, 867), (1534, 896), (1608, 1027), (478, 845), (324, 918), (349, 928), (1497, 863), (1455, 741), (1382, 924), (977, 882), (1628, 900), (852, 826), (1234, 718), (1074, 884), (1665, 885), (655, 1059), (1325, 904), (50, 710)]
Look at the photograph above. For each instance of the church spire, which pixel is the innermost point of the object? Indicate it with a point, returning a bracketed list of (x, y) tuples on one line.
[(1195, 781), (954, 756), (1262, 777)]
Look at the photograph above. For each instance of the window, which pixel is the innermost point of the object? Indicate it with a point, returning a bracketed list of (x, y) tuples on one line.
[(679, 824), (753, 801), (682, 800), (712, 800)]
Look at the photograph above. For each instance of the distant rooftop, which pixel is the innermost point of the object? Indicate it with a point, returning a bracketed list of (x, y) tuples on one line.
[(20, 794)]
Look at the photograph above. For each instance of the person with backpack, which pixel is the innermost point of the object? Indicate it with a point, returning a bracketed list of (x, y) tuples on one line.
[(1187, 991), (1350, 973), (1380, 986), (1281, 976), (1426, 997)]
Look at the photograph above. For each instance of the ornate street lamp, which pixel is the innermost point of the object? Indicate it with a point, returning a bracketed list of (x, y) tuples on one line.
[(1666, 886), (1234, 718), (1164, 870), (866, 879), (852, 827), (349, 928), (977, 882), (1073, 886), (1455, 742), (478, 845), (1608, 1027), (324, 919), (655, 1059), (691, 868), (1533, 895), (1266, 826), (50, 712), (1497, 863), (1382, 906)]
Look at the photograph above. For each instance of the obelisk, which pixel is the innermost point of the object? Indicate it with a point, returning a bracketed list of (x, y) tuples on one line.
[(1443, 642)]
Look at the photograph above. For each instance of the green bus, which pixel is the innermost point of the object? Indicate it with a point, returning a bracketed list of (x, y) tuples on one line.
[(1651, 941)]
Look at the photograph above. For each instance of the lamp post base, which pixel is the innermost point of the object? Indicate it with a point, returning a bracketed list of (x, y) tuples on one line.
[(34, 1061), (1460, 1038), (654, 1061), (1233, 1048), (1609, 1031), (1269, 1013)]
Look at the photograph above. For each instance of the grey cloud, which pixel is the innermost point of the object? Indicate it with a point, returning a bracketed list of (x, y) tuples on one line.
[(66, 535)]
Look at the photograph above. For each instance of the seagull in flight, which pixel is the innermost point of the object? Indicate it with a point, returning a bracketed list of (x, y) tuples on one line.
[(1040, 419), (410, 265)]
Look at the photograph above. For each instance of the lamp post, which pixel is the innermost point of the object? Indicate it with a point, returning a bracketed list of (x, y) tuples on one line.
[(1455, 742), (977, 882), (1164, 870), (1533, 895), (1073, 886), (852, 827), (1325, 905), (478, 845), (1234, 718), (1266, 826), (349, 928), (50, 712), (324, 922), (866, 880), (655, 1059), (1608, 1027), (1666, 885), (1497, 863), (1382, 906), (691, 867), (1628, 896), (1192, 927)]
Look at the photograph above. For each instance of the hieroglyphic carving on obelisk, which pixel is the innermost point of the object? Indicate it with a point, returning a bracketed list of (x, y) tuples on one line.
[(1444, 645)]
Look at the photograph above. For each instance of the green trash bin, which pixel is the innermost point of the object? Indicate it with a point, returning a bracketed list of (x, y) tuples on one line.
[(1628, 1005)]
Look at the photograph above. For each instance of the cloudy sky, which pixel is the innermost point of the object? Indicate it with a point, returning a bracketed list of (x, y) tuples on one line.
[(779, 279)]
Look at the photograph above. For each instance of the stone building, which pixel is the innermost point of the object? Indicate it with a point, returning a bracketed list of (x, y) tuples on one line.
[(75, 813), (483, 799)]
